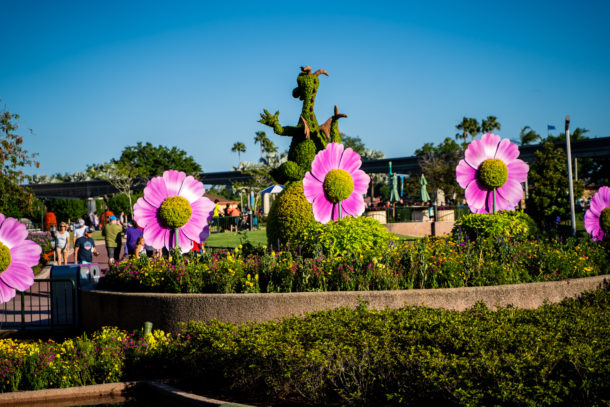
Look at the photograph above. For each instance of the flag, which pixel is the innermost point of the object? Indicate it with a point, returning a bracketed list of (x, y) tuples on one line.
[(550, 127)]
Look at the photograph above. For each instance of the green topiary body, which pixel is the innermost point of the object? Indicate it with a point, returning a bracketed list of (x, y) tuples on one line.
[(289, 215), (347, 235), (308, 138), (506, 224)]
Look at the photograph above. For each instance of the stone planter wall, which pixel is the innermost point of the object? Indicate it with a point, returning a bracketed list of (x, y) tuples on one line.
[(130, 310)]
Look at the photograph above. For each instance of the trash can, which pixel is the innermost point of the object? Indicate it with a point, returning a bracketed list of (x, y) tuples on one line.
[(66, 282)]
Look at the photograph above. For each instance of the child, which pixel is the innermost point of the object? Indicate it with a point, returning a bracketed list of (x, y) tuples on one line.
[(139, 247)]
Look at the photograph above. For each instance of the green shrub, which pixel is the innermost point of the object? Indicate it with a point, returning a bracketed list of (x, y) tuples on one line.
[(347, 235), (120, 203), (68, 209), (506, 224), (292, 171), (303, 154), (289, 214)]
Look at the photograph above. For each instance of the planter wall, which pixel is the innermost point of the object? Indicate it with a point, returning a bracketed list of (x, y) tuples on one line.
[(130, 310)]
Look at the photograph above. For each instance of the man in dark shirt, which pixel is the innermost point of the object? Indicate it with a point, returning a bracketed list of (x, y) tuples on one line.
[(84, 248)]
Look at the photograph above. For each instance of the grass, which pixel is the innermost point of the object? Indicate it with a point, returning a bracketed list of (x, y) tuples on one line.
[(232, 239)]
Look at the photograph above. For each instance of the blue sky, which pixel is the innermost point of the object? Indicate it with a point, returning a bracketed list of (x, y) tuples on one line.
[(90, 78)]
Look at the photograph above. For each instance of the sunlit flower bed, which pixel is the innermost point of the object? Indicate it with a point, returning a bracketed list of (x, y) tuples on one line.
[(426, 263)]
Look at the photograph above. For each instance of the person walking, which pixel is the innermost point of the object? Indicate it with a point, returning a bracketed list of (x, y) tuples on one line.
[(79, 230), (84, 248), (132, 235), (62, 244), (113, 237)]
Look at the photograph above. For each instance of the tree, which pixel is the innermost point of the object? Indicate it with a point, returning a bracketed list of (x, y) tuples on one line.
[(468, 126), (151, 161), (68, 209), (355, 143), (261, 138), (548, 180), (490, 124), (438, 163), (121, 175), (528, 136), (15, 199), (238, 148)]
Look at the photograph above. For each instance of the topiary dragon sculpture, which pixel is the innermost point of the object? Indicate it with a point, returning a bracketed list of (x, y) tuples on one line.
[(307, 136)]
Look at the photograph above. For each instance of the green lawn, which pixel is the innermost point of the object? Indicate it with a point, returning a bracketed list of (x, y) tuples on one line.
[(232, 239)]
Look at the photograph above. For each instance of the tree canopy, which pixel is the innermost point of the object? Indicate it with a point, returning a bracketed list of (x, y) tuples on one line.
[(150, 161)]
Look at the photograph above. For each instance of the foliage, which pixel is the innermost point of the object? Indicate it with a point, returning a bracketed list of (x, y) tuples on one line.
[(425, 263), (528, 136), (303, 154), (289, 214), (121, 202), (548, 181), (239, 148), (67, 209), (468, 126), (42, 239), (554, 355), (15, 200), (151, 161), (438, 163), (355, 143), (347, 235), (503, 225), (121, 175)]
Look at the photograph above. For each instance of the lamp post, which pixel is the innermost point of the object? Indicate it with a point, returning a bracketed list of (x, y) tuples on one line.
[(570, 182)]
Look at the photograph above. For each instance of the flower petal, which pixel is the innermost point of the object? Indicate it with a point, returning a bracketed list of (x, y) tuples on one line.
[(203, 211), (361, 182), (155, 192), (517, 170), (6, 293), (191, 189), (510, 194), (154, 235), (173, 181), (507, 151), (592, 224), (312, 187), (350, 161), (12, 232), (26, 252), (145, 214), (481, 150), (326, 160), (185, 243), (322, 209), (18, 276), (475, 195), (354, 205), (465, 174)]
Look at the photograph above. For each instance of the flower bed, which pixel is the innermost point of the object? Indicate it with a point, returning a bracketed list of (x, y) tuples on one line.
[(427, 263), (553, 355)]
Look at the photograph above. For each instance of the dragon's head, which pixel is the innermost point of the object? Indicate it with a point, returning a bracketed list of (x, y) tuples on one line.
[(307, 83)]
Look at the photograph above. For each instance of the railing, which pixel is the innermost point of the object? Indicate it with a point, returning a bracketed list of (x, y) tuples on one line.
[(47, 304), (231, 223), (421, 213)]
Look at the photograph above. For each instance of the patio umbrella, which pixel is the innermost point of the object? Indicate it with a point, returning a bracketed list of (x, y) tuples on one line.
[(425, 197), (273, 189)]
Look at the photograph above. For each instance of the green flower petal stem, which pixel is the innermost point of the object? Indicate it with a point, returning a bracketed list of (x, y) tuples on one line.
[(338, 185), (493, 173), (174, 212), (604, 220), (5, 257)]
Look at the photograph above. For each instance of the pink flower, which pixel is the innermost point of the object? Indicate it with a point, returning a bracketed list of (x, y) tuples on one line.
[(334, 181), (17, 257), (491, 163), (174, 202), (597, 218)]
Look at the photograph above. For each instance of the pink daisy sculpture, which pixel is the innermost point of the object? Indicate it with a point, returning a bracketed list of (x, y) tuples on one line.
[(174, 203), (335, 185), (491, 171), (17, 257), (597, 218)]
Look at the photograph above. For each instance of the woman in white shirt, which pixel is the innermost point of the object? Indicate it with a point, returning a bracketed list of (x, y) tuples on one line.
[(62, 243)]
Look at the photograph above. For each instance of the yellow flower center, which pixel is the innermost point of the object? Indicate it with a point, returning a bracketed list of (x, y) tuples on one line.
[(493, 173), (174, 212), (604, 220), (5, 257), (338, 185)]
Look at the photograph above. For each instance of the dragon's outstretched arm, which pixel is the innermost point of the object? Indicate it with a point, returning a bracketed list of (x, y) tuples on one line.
[(271, 120)]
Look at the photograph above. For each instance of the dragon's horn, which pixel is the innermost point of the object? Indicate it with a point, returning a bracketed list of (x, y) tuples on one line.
[(320, 72), (306, 69)]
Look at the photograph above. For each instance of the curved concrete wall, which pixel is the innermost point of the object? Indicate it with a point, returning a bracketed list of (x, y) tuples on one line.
[(130, 310)]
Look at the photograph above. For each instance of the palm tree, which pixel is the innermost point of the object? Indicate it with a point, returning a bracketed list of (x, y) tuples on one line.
[(490, 124), (238, 148), (528, 136), (468, 126), (261, 138)]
